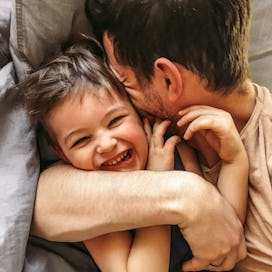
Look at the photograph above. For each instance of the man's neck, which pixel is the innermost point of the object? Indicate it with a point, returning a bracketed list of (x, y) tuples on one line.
[(240, 104)]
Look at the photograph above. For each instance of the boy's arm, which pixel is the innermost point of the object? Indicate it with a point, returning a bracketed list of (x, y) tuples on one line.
[(221, 134), (233, 183), (110, 251), (188, 158), (150, 250)]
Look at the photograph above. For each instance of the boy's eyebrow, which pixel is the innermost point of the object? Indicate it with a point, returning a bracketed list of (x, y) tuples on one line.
[(71, 133), (114, 109)]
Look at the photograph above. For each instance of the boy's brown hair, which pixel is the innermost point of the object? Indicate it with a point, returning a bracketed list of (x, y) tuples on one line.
[(79, 69)]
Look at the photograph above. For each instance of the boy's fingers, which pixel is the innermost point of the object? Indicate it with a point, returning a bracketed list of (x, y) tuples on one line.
[(219, 126), (159, 130), (147, 129), (194, 112), (171, 143), (157, 121), (161, 126)]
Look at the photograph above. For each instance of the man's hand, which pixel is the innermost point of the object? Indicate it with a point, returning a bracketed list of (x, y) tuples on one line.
[(213, 232)]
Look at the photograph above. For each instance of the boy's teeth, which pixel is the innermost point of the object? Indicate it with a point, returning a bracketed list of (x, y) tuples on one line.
[(115, 161)]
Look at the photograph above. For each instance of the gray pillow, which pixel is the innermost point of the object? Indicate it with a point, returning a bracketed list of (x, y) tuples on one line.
[(29, 30), (4, 33), (19, 166), (260, 46), (40, 27), (19, 169)]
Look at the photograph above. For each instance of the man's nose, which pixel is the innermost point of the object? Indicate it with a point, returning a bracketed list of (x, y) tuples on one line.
[(106, 144)]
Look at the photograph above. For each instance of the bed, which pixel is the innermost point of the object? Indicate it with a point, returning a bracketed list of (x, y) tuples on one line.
[(29, 31)]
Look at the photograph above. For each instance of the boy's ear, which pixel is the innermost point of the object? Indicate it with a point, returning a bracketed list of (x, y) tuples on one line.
[(173, 78), (59, 152)]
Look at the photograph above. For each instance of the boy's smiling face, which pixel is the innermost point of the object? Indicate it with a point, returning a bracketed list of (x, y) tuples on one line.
[(99, 133)]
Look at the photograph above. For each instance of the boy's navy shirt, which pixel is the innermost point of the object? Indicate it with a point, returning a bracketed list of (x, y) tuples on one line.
[(180, 250)]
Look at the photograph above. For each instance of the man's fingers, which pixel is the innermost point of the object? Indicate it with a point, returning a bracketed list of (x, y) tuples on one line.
[(217, 265), (194, 264), (222, 264), (227, 263)]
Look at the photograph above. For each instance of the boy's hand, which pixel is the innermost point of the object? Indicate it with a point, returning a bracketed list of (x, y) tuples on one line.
[(161, 152), (216, 126)]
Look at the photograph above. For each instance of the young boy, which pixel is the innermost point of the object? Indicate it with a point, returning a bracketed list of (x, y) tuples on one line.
[(92, 125)]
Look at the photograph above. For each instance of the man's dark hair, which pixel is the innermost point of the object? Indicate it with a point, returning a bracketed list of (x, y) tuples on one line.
[(208, 37)]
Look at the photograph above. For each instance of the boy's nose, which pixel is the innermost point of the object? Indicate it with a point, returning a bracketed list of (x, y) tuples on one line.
[(106, 144)]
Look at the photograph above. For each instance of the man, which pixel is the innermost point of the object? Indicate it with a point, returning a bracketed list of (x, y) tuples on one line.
[(146, 198), (185, 53)]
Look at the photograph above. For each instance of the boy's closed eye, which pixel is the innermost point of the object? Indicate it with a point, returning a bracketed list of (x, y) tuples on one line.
[(116, 120), (81, 141)]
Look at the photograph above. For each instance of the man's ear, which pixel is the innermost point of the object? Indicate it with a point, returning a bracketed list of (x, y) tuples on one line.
[(173, 77), (59, 152)]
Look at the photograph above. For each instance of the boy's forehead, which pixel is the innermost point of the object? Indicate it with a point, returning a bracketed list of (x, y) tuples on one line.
[(100, 94)]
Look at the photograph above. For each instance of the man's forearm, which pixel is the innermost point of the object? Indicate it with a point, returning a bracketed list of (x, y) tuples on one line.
[(74, 205)]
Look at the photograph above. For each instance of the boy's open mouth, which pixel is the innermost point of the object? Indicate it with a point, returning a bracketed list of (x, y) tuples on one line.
[(120, 158)]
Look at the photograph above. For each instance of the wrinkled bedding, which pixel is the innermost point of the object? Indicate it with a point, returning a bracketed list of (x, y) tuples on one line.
[(19, 165), (29, 29), (19, 160), (260, 46)]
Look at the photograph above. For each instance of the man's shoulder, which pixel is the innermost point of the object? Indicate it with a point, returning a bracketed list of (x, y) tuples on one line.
[(261, 118), (264, 96)]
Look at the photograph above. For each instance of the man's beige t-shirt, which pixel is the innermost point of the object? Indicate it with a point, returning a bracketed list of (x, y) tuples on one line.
[(257, 138)]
